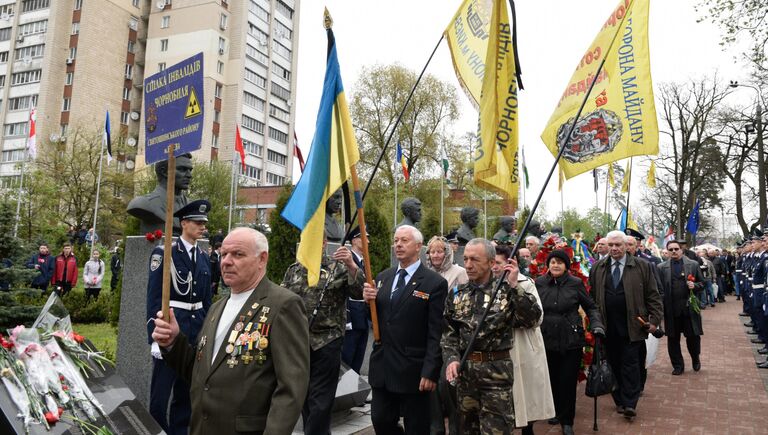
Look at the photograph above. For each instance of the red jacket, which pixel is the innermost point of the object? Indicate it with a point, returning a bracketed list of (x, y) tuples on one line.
[(58, 271)]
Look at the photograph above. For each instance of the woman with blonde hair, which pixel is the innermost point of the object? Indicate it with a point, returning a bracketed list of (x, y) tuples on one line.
[(440, 256)]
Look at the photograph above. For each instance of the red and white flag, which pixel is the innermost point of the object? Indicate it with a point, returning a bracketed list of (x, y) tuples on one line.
[(31, 140), (239, 146), (297, 152)]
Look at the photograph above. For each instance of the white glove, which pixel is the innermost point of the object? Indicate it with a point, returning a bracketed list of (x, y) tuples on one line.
[(155, 351), (348, 326)]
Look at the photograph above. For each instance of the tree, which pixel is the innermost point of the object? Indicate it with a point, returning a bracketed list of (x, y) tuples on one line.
[(378, 98), (735, 18), (213, 181), (595, 221), (282, 239), (380, 238), (689, 166)]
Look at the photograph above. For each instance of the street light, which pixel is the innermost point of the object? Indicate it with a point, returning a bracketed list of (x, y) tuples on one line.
[(757, 127)]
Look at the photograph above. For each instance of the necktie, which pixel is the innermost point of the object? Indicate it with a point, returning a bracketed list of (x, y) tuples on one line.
[(399, 286), (616, 274)]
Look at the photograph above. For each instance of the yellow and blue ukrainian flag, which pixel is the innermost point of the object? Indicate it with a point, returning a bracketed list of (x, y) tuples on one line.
[(333, 151)]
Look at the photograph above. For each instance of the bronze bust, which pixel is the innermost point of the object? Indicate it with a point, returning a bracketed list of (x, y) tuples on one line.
[(150, 208)]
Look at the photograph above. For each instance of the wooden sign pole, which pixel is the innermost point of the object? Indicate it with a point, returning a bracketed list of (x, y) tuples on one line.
[(169, 202)]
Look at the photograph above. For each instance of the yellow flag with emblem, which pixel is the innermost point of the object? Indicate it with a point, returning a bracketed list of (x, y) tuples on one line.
[(619, 118), (495, 165), (467, 35), (652, 174), (627, 181)]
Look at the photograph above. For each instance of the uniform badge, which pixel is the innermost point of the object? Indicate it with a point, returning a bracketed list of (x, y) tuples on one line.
[(155, 262), (421, 295)]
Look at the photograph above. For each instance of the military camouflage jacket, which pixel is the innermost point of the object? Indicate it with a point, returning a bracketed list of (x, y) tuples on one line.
[(331, 317), (512, 308)]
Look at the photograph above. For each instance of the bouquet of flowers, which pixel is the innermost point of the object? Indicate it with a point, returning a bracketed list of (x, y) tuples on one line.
[(693, 301), (42, 369)]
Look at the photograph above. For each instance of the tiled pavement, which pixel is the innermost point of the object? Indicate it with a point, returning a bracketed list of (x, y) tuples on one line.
[(728, 395)]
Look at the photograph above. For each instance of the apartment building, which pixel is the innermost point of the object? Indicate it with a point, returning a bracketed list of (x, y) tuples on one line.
[(74, 59)]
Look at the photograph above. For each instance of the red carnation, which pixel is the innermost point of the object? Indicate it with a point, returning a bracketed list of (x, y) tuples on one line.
[(150, 237), (158, 234), (588, 359), (590, 339), (78, 338), (61, 411), (691, 278), (51, 418)]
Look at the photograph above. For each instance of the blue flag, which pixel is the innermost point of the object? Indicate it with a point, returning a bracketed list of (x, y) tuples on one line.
[(108, 139), (693, 220)]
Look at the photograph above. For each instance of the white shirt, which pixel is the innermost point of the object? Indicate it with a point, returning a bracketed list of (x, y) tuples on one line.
[(234, 305), (622, 262), (409, 271), (188, 246)]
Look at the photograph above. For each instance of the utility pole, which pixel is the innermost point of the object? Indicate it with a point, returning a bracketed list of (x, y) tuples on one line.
[(763, 208)]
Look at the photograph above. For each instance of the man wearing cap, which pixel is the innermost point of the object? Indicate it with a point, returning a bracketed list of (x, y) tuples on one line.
[(340, 278), (356, 335), (190, 276)]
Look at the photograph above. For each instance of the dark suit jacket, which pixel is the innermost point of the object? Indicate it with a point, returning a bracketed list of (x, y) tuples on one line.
[(254, 398), (410, 332), (690, 268)]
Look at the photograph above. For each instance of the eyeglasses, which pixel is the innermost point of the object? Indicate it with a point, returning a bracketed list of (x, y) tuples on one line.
[(673, 249)]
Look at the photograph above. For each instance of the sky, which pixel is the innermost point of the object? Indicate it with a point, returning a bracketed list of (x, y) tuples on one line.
[(552, 37)]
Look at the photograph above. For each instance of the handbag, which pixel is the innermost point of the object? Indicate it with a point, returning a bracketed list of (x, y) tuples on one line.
[(600, 379)]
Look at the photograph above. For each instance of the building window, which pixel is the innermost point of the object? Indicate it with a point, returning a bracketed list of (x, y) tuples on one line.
[(215, 141), (5, 34), (275, 157), (13, 156), (32, 51), (281, 72), (33, 28), (216, 115), (284, 9), (124, 117), (22, 103), (7, 9), (72, 52), (126, 93), (280, 92), (275, 179), (33, 5), (256, 55), (253, 125), (252, 148), (217, 90), (255, 79), (78, 4), (2, 81), (220, 67), (15, 129), (131, 46), (259, 11), (65, 105), (69, 78), (135, 3), (253, 101), (25, 77), (278, 135), (222, 45), (250, 171), (283, 31), (75, 28), (3, 57), (279, 113), (166, 21), (281, 50), (164, 45), (128, 71), (161, 66), (223, 21)]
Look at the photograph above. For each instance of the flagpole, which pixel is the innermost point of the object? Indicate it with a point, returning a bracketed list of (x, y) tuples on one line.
[(629, 186), (394, 205), (231, 195), (521, 235), (485, 213), (607, 187), (442, 206), (397, 122), (98, 190)]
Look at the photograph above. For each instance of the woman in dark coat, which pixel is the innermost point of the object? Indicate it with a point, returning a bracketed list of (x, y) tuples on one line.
[(561, 296)]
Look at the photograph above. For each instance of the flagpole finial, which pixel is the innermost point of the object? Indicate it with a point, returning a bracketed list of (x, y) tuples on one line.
[(327, 20)]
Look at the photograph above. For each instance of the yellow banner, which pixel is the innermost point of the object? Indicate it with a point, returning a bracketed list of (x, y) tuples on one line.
[(652, 174), (627, 181), (496, 158), (619, 118), (611, 178), (467, 37)]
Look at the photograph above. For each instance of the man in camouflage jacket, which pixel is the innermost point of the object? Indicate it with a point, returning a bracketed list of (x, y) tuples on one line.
[(340, 278), (485, 384)]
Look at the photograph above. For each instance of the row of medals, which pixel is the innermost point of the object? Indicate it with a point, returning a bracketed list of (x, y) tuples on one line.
[(463, 304), (242, 340)]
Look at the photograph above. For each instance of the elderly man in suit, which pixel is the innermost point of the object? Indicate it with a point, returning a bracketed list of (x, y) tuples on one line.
[(405, 364), (249, 369)]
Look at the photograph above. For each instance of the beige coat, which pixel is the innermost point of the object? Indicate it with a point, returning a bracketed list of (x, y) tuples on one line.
[(531, 390)]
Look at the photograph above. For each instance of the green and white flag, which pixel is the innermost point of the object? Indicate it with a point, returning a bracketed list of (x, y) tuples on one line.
[(525, 170), (444, 159)]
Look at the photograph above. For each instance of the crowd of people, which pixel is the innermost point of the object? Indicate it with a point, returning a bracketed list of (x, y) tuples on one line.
[(548, 308)]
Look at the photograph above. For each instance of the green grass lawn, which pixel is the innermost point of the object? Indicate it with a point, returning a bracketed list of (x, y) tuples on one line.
[(102, 335)]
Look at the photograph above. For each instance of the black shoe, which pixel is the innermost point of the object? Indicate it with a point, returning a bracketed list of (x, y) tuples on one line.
[(712, 305), (738, 298), (629, 412), (676, 372), (620, 409), (697, 365), (762, 365), (749, 324), (752, 332), (763, 351), (567, 429), (757, 341), (553, 421), (744, 314)]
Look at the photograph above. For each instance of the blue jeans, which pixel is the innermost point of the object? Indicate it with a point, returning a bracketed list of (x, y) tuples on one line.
[(736, 284), (708, 295)]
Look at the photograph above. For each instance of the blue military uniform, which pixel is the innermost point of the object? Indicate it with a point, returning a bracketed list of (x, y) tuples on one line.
[(190, 299)]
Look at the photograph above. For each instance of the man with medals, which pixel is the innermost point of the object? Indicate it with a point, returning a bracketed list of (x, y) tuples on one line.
[(169, 401), (340, 279), (249, 368)]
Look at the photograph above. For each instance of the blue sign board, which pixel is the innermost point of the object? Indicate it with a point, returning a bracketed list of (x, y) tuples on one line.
[(173, 108)]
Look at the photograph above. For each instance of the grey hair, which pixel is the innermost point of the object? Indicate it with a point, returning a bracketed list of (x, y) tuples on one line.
[(629, 239), (615, 233), (536, 239), (490, 250), (415, 233), (259, 240)]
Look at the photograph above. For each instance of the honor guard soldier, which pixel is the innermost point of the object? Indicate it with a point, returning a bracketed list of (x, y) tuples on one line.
[(485, 384), (326, 305), (190, 299)]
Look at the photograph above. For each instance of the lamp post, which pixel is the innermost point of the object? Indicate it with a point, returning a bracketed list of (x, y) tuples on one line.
[(758, 128)]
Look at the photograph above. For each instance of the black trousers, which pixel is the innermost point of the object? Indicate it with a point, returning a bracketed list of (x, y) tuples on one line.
[(324, 364), (386, 408), (624, 358), (353, 352), (169, 401), (682, 324), (563, 376)]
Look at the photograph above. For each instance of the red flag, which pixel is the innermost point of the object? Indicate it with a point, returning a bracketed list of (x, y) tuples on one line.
[(297, 151), (32, 139), (239, 145)]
